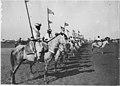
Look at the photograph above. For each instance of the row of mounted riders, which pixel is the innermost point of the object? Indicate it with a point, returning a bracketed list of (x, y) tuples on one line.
[(57, 47)]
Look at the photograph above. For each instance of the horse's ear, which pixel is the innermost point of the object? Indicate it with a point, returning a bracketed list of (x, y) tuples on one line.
[(56, 34), (66, 38)]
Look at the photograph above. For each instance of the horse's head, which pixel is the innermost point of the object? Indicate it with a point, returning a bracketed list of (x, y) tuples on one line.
[(63, 38), (106, 41)]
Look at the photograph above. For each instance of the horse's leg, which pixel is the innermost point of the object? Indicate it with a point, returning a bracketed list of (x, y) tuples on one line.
[(57, 55), (62, 58), (47, 58), (102, 46), (102, 52), (74, 52), (12, 76), (45, 72), (94, 46), (31, 71), (12, 59), (15, 70), (31, 65), (66, 57), (55, 67)]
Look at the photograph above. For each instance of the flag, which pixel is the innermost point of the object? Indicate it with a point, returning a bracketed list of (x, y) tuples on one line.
[(49, 21), (73, 33), (26, 0), (50, 11), (73, 30), (67, 30), (66, 24), (78, 31), (62, 28)]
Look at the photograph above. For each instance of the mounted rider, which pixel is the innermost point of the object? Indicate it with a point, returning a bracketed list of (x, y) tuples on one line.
[(38, 40), (98, 40), (48, 35)]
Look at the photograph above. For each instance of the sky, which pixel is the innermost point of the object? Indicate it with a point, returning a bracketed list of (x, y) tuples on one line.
[(90, 17)]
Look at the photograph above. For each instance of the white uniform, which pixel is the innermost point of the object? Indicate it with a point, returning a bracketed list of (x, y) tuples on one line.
[(98, 39), (38, 44), (99, 43), (47, 37)]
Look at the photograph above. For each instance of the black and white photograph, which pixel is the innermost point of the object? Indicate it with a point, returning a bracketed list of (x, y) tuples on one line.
[(60, 42)]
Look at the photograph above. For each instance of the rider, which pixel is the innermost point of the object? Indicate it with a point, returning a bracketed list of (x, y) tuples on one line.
[(98, 40), (48, 35), (38, 40), (62, 30)]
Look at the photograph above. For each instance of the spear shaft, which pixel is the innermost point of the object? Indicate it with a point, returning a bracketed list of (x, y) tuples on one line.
[(29, 18), (30, 26)]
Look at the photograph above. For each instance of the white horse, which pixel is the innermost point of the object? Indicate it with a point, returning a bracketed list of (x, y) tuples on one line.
[(72, 47), (26, 52), (100, 44)]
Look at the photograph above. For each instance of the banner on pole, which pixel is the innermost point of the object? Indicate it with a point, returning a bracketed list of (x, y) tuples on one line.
[(50, 11), (62, 28), (26, 0), (66, 24)]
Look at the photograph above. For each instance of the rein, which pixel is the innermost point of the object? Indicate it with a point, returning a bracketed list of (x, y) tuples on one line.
[(52, 38)]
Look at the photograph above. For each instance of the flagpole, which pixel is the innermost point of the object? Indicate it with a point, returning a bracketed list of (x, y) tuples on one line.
[(64, 25), (29, 18), (68, 33), (48, 19)]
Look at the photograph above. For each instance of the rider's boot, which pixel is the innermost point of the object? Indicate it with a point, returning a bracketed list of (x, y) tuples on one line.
[(38, 57), (41, 57)]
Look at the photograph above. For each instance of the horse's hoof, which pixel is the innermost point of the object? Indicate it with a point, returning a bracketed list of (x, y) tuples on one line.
[(13, 83), (54, 70), (45, 82)]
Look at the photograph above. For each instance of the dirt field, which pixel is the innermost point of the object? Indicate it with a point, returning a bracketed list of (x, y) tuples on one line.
[(84, 69)]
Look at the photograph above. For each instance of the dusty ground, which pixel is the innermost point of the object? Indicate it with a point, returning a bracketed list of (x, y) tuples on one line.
[(86, 68)]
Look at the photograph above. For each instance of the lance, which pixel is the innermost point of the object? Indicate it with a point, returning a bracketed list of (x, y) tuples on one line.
[(48, 23), (48, 19), (64, 25), (30, 24), (67, 32), (29, 18)]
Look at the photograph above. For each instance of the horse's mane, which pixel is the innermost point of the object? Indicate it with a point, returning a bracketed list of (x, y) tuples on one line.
[(57, 34)]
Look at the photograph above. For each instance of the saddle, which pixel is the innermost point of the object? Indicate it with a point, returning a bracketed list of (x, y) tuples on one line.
[(45, 49), (28, 50)]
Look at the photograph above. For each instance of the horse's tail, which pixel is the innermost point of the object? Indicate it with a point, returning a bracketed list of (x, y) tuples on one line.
[(12, 59)]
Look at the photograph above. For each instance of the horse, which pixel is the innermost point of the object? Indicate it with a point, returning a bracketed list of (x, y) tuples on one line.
[(101, 44), (21, 42), (25, 52), (72, 47)]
